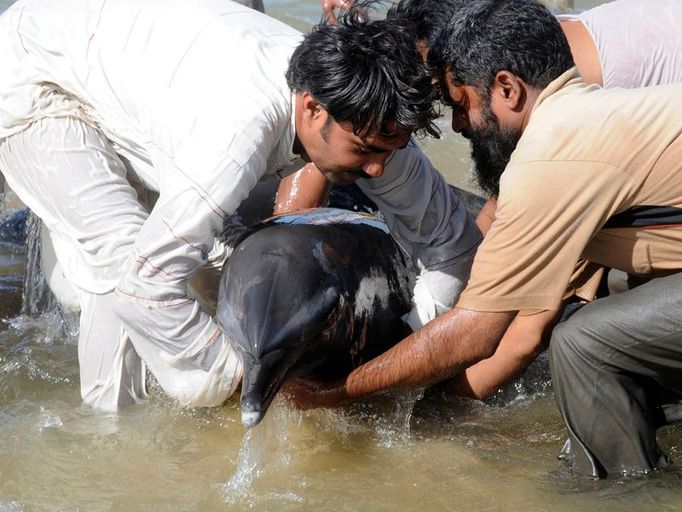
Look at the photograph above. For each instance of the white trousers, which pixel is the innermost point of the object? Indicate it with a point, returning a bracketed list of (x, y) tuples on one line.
[(68, 174)]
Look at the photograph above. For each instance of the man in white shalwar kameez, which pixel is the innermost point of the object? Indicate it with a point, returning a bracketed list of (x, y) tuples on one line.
[(190, 98)]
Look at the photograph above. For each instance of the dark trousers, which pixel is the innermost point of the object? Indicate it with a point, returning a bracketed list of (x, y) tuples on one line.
[(617, 373)]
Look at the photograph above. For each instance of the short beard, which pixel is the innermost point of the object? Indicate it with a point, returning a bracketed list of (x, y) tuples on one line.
[(491, 149)]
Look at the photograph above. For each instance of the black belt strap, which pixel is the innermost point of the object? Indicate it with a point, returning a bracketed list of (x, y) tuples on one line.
[(645, 216)]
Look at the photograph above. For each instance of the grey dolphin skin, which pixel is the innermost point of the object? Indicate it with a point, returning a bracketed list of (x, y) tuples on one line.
[(316, 293)]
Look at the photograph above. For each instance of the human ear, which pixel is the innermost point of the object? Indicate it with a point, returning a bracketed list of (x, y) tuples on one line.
[(510, 89), (312, 110)]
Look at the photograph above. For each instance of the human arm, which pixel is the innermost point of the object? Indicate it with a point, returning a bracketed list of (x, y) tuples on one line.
[(430, 222), (584, 51), (521, 344), (328, 7), (438, 351), (180, 343), (306, 188), (526, 337), (523, 341)]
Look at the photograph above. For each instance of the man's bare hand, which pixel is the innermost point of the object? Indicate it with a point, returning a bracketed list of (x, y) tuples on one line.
[(311, 394), (329, 6)]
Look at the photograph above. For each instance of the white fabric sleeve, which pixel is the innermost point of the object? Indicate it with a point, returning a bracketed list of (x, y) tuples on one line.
[(427, 218), (182, 345)]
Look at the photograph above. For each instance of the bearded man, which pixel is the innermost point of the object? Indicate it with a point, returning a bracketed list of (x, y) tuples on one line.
[(582, 173)]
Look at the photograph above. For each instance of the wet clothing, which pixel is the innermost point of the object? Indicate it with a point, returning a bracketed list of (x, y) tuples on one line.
[(616, 366), (639, 42), (189, 99), (587, 159)]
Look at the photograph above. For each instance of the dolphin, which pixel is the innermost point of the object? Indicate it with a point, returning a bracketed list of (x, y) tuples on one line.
[(315, 293)]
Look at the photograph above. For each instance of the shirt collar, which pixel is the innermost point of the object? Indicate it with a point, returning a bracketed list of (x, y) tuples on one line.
[(567, 78), (285, 161)]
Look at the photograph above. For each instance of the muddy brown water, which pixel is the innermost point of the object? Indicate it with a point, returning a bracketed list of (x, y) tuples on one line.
[(406, 453)]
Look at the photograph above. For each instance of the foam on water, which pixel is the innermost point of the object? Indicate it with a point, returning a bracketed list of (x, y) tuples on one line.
[(11, 506)]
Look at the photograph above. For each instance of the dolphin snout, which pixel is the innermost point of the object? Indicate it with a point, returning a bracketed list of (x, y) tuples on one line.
[(252, 412)]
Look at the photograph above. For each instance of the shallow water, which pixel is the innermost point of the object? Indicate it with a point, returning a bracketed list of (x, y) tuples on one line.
[(398, 453)]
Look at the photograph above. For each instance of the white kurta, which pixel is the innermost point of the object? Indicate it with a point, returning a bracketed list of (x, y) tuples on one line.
[(191, 96)]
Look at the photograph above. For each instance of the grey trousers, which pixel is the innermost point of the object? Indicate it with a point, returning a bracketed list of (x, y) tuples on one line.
[(617, 373)]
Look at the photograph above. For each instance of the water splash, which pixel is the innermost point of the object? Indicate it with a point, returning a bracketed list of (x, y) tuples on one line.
[(261, 446), (37, 298), (38, 301), (535, 382), (249, 465), (49, 420), (11, 506), (394, 429)]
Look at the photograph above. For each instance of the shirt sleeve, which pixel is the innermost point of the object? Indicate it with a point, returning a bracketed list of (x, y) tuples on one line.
[(547, 213), (427, 218), (181, 344)]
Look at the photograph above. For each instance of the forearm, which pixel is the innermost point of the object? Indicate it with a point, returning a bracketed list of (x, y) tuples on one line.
[(441, 349), (424, 214), (180, 343), (306, 188), (524, 340)]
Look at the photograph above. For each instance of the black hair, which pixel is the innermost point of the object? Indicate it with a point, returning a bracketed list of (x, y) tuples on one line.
[(366, 72), (427, 16), (488, 36)]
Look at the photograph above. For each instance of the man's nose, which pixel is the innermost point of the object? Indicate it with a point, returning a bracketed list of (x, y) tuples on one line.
[(375, 166)]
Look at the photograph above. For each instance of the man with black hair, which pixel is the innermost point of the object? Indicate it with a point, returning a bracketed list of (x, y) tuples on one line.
[(308, 188), (199, 101), (582, 172)]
